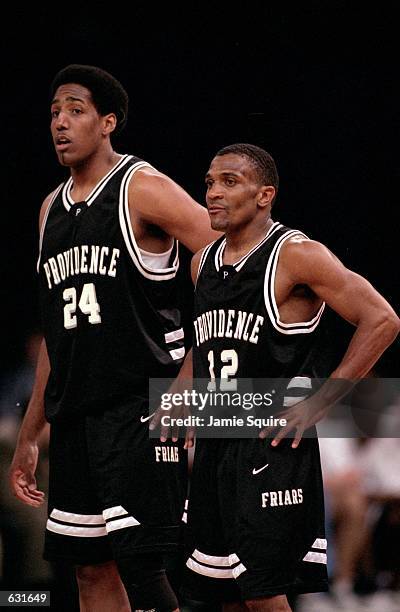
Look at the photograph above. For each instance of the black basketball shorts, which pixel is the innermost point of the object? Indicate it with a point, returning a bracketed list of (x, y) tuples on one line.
[(113, 492), (255, 521)]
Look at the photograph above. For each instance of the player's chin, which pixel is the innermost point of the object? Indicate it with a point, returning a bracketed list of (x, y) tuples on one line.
[(219, 225), (61, 158), (65, 159)]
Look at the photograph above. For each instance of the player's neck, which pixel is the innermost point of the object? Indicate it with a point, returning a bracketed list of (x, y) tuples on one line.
[(241, 241), (88, 174)]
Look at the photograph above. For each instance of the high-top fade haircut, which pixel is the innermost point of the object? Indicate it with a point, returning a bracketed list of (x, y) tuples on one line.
[(108, 95), (262, 161)]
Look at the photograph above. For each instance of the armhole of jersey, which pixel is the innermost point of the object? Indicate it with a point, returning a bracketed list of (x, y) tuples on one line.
[(203, 260), (129, 237), (46, 214), (303, 327)]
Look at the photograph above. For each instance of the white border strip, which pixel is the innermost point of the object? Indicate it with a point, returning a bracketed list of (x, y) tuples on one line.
[(211, 559), (320, 543), (75, 531), (72, 517), (239, 569), (211, 572), (178, 353), (66, 194), (46, 214), (314, 557), (114, 511), (203, 258), (274, 227), (129, 237), (178, 334), (238, 265), (122, 523), (302, 327)]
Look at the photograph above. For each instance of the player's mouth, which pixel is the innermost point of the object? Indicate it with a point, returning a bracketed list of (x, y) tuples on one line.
[(62, 143), (213, 210)]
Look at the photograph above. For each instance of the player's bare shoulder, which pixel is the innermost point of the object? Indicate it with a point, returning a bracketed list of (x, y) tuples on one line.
[(151, 187), (147, 177), (302, 258)]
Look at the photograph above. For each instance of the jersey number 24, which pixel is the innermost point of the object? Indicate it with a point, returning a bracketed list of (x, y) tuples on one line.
[(87, 304)]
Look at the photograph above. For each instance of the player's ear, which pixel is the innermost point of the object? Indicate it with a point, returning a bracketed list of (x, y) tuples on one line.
[(266, 195), (109, 123)]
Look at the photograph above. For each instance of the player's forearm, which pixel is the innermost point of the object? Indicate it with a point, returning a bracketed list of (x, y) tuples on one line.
[(185, 375), (368, 343), (186, 370), (34, 420)]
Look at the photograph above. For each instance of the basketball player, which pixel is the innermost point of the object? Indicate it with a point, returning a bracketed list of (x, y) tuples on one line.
[(255, 514), (112, 316)]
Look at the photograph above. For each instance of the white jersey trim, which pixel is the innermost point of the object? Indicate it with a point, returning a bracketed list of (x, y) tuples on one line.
[(212, 572), (297, 382), (314, 557), (175, 335), (113, 512), (301, 327), (184, 516), (215, 567), (46, 214), (238, 265), (113, 523), (66, 192), (317, 557), (203, 259), (122, 523), (158, 274), (76, 525), (320, 543), (156, 260), (76, 531)]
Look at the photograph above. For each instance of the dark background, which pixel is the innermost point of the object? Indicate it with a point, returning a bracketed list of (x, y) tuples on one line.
[(317, 85)]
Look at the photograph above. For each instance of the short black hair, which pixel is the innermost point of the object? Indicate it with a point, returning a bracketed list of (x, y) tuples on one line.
[(262, 161), (108, 95)]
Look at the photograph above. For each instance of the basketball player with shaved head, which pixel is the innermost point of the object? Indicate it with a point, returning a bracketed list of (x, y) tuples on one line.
[(255, 515)]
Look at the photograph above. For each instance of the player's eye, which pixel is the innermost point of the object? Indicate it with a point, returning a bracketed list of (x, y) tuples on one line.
[(54, 113)]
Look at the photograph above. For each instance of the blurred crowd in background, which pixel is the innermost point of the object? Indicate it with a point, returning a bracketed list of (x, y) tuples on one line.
[(362, 493)]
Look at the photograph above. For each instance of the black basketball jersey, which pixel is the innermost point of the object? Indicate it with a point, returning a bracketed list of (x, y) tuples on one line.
[(237, 329), (241, 545), (110, 321)]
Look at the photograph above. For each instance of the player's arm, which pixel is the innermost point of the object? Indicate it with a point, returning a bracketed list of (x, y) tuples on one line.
[(24, 462), (159, 201), (183, 381), (351, 296), (186, 370), (23, 466)]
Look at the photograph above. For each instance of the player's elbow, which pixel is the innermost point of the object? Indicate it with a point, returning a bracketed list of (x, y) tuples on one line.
[(389, 325)]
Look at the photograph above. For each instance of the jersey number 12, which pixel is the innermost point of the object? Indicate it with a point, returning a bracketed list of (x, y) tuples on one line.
[(230, 357)]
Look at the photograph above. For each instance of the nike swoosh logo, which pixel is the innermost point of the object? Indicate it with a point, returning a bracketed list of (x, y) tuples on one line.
[(260, 469), (143, 419)]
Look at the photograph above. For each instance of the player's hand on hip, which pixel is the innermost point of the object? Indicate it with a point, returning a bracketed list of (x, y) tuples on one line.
[(22, 475), (172, 421), (297, 419)]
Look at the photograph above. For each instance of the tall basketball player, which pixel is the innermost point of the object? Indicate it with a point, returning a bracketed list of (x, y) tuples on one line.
[(111, 307), (255, 514)]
